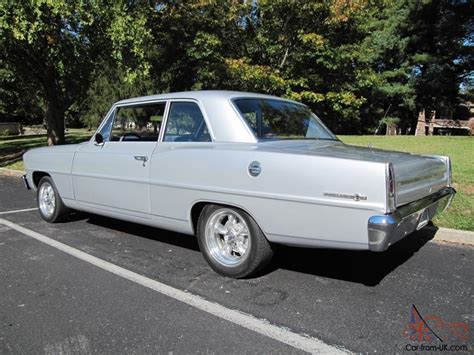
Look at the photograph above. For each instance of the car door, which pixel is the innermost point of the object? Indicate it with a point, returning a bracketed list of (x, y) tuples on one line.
[(185, 135), (114, 175)]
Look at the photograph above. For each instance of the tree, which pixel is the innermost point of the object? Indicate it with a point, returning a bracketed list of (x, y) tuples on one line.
[(19, 99), (440, 44), (108, 86), (308, 52), (54, 46), (357, 63), (422, 53)]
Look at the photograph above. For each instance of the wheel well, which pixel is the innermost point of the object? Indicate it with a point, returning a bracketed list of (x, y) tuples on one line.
[(37, 176), (196, 212), (198, 207)]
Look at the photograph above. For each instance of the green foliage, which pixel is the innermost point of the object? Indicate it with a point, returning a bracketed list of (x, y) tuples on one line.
[(111, 85), (422, 52), (19, 99), (352, 62), (5, 132), (54, 46), (130, 36)]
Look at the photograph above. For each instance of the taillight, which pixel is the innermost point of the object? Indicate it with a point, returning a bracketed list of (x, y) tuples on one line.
[(391, 185)]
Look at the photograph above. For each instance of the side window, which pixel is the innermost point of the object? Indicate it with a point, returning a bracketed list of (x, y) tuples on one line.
[(107, 127), (138, 123), (186, 124)]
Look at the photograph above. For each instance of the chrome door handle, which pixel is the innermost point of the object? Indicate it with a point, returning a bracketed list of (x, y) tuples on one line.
[(142, 158)]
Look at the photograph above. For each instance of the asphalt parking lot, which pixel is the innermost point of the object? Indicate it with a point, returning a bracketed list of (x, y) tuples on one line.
[(53, 302)]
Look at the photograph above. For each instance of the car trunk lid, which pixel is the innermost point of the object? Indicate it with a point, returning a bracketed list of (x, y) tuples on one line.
[(416, 176)]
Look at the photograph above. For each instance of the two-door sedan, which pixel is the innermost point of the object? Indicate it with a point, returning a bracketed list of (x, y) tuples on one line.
[(243, 172)]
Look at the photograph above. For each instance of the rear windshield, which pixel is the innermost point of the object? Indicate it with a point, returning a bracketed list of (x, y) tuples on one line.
[(278, 119)]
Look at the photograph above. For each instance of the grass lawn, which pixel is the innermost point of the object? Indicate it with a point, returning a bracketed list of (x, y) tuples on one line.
[(13, 148), (461, 150), (460, 214)]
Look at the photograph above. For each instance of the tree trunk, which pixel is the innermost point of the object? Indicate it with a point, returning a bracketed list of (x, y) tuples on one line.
[(55, 123)]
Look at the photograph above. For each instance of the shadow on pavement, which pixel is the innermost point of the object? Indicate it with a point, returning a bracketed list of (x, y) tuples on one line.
[(160, 235), (368, 268), (364, 267)]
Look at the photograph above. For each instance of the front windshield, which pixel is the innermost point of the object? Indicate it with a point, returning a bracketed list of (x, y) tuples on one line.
[(278, 119)]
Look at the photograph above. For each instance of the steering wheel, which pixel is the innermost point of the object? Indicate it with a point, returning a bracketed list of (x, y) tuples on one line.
[(135, 136)]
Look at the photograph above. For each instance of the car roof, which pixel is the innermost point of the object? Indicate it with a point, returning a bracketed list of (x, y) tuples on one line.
[(202, 95), (222, 118)]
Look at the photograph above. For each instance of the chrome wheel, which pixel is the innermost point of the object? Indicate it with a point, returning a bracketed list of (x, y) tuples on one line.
[(227, 237), (47, 199)]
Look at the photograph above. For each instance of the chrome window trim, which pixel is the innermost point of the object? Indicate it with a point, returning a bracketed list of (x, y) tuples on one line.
[(105, 119), (203, 113), (164, 122), (111, 116), (116, 106)]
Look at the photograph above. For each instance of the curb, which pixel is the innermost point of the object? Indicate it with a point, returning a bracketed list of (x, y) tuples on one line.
[(441, 234), (11, 172), (453, 235)]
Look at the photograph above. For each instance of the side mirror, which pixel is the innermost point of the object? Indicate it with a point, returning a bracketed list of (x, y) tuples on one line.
[(99, 139)]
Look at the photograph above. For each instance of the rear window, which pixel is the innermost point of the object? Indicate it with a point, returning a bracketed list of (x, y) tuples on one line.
[(278, 119)]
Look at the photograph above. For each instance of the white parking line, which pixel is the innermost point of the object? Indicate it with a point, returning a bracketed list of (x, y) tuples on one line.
[(248, 321), (18, 211)]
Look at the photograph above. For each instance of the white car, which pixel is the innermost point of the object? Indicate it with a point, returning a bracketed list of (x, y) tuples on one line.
[(243, 172)]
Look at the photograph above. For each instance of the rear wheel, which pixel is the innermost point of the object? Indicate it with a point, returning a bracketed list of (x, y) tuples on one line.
[(50, 205), (231, 241)]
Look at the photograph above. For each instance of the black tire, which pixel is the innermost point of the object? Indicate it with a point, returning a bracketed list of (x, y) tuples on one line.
[(59, 211), (258, 253)]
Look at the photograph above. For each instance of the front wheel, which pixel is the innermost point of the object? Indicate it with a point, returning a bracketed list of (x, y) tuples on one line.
[(50, 205), (231, 241)]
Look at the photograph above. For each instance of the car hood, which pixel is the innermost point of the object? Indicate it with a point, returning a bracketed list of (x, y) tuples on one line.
[(65, 148)]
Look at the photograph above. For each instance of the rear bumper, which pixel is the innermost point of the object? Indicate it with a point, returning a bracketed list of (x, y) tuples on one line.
[(385, 230)]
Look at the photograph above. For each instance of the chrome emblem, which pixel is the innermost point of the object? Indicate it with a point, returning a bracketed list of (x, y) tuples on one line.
[(255, 169), (355, 197)]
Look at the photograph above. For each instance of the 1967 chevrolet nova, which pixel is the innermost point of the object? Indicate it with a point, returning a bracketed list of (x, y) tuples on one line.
[(243, 172)]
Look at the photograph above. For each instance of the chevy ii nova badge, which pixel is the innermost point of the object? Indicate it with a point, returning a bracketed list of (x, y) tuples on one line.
[(355, 197)]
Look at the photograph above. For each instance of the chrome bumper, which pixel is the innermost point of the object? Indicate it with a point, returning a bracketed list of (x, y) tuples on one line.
[(385, 230), (25, 182)]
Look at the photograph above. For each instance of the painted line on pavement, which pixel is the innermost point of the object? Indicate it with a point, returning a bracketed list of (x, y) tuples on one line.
[(18, 211), (261, 326)]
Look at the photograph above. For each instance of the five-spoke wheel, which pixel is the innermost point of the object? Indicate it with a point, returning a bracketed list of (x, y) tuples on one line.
[(50, 205), (232, 242), (46, 199), (227, 237)]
